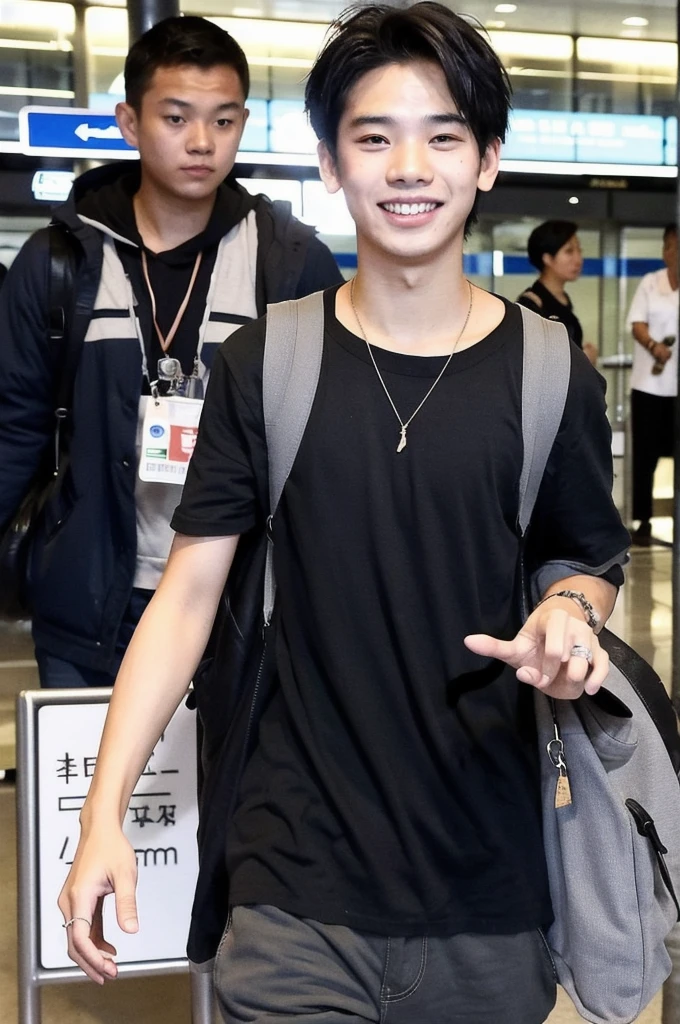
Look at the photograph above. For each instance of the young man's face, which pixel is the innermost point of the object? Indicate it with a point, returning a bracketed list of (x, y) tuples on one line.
[(409, 165), (188, 129)]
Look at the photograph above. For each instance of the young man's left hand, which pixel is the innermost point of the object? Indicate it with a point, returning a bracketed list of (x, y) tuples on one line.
[(541, 652)]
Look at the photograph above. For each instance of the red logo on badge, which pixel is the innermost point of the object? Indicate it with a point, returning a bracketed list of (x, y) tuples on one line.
[(182, 442)]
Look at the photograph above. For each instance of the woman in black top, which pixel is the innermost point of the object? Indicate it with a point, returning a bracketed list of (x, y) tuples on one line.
[(555, 250)]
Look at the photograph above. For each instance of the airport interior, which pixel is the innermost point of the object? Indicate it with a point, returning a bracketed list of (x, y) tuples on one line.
[(593, 139)]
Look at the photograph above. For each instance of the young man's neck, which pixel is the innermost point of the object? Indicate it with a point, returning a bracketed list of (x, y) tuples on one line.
[(416, 309), (165, 221)]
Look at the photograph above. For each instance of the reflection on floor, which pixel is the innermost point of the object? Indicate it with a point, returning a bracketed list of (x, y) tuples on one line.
[(642, 617)]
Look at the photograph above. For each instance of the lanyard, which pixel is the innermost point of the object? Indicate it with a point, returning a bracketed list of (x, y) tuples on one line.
[(167, 341)]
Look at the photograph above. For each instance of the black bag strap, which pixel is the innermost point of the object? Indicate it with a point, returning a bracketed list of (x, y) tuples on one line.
[(65, 343)]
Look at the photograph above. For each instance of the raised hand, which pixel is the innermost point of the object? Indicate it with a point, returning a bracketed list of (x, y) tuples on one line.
[(550, 651)]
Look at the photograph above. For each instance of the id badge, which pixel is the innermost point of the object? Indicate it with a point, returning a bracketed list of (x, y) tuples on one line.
[(169, 436)]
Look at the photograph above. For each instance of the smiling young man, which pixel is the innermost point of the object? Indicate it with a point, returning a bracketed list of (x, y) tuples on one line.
[(171, 260), (385, 856)]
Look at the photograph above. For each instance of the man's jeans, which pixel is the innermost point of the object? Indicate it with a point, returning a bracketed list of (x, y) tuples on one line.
[(56, 673), (273, 968)]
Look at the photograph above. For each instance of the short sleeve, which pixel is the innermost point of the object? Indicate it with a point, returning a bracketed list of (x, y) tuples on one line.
[(576, 528), (225, 493), (639, 307)]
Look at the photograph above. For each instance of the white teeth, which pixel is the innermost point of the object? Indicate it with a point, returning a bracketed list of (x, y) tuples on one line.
[(409, 209)]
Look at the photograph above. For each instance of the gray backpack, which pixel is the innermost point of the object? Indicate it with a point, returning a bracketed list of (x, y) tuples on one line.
[(613, 854)]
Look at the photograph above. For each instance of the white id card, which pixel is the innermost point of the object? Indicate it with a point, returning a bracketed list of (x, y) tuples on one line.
[(168, 438)]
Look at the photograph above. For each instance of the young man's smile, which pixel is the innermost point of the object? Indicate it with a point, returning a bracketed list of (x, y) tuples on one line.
[(413, 213)]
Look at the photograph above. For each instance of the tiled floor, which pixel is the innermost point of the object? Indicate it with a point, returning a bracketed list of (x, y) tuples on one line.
[(643, 618)]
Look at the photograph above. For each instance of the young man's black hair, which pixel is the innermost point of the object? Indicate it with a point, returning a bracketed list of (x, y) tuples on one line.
[(670, 229), (175, 42), (368, 38), (549, 238)]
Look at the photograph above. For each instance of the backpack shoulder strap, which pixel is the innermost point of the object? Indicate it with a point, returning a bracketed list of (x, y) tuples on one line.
[(545, 382), (65, 347), (292, 363)]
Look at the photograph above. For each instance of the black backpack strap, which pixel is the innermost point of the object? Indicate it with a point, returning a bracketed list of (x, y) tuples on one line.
[(60, 273), (65, 345)]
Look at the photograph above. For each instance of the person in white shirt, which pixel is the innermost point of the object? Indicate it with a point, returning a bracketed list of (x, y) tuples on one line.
[(653, 319)]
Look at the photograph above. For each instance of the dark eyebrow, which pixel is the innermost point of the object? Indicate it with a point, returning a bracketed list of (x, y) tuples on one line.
[(384, 119), (183, 105)]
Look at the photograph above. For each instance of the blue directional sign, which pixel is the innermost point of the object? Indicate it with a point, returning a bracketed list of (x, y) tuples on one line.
[(71, 132), (582, 138)]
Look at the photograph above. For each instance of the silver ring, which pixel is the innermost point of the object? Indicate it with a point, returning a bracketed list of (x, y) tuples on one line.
[(67, 924), (581, 651)]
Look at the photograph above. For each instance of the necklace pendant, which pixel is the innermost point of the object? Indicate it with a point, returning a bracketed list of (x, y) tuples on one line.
[(402, 440)]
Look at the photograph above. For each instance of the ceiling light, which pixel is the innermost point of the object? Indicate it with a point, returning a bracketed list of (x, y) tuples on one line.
[(495, 24), (36, 44), (573, 200), (505, 8), (635, 22), (640, 53), (29, 90), (518, 47)]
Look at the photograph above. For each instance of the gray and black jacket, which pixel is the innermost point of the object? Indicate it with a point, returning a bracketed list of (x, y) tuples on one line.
[(84, 557)]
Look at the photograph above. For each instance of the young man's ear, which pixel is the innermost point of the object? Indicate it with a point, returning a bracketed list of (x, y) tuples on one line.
[(328, 168), (246, 115), (488, 170), (126, 116)]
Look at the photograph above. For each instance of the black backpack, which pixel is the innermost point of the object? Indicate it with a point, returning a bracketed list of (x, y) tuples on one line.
[(65, 350)]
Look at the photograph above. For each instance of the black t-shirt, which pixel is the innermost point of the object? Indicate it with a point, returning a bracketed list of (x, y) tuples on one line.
[(394, 787), (552, 309)]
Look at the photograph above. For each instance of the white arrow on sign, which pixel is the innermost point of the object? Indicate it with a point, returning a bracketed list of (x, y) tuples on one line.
[(85, 132)]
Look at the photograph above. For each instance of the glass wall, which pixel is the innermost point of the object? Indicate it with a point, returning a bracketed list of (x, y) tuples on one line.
[(626, 76), (539, 67), (280, 53), (550, 72), (106, 31), (35, 58)]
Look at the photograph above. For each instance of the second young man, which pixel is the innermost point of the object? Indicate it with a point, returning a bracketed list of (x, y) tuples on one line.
[(171, 260)]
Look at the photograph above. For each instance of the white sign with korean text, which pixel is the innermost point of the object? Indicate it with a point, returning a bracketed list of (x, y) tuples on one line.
[(160, 823)]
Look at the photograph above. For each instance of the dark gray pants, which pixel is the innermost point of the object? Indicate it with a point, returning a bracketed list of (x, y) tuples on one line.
[(273, 968)]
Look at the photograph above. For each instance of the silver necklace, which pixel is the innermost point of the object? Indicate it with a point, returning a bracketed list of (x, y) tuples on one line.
[(404, 424)]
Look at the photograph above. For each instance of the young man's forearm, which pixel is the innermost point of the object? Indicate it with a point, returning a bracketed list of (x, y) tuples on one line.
[(157, 669)]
